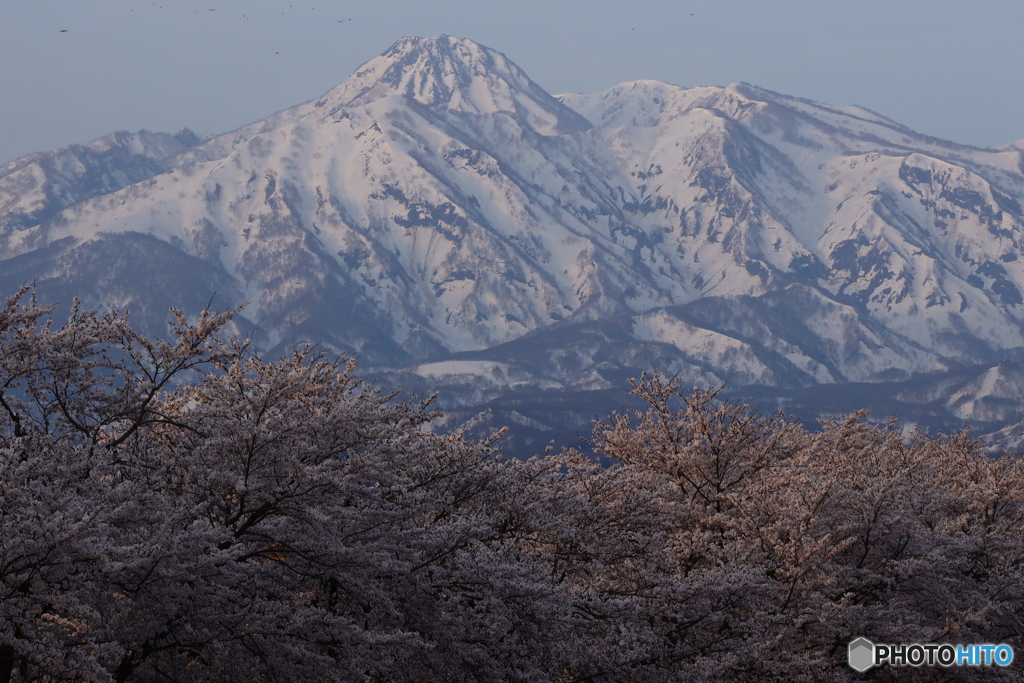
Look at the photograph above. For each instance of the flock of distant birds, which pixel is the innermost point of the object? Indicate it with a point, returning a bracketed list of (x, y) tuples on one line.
[(340, 21)]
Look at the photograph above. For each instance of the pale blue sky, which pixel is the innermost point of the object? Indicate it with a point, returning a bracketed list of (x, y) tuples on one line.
[(950, 69)]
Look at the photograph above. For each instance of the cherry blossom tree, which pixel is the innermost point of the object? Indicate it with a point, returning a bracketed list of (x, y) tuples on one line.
[(778, 546), (185, 510)]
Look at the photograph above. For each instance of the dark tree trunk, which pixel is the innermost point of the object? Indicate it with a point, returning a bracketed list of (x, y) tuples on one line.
[(6, 663), (123, 671)]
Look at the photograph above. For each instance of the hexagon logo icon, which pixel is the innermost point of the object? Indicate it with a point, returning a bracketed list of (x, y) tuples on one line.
[(861, 654)]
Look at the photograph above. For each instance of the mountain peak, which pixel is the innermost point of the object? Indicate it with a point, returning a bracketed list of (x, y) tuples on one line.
[(450, 74)]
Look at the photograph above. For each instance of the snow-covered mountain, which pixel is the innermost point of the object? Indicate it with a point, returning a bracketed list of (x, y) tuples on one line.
[(445, 218), (37, 187)]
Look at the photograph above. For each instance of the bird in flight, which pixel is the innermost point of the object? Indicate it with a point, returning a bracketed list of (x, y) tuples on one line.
[(63, 30)]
